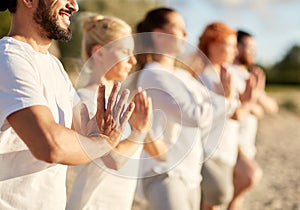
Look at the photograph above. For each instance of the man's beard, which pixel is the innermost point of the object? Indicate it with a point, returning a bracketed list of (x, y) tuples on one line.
[(244, 60), (48, 22)]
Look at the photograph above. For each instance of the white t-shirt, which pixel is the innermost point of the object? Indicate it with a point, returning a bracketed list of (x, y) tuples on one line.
[(30, 78), (97, 187)]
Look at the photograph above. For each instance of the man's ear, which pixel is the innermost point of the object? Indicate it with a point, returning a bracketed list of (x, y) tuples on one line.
[(156, 36), (28, 3), (96, 52), (96, 48)]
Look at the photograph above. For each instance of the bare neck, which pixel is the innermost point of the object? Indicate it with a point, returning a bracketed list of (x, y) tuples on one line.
[(240, 65), (108, 85), (97, 76), (31, 34), (217, 68), (165, 61)]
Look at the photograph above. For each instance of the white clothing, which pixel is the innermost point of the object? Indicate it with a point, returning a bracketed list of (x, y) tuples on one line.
[(247, 135), (98, 187), (228, 148), (180, 112), (170, 193), (248, 125), (30, 78)]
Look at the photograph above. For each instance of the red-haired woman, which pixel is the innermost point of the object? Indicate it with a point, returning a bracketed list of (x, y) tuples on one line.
[(219, 43)]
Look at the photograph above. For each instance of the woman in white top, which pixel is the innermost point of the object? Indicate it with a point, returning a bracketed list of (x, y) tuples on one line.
[(182, 109), (107, 48), (218, 43)]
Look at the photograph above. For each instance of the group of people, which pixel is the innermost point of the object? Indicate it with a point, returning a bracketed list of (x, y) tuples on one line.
[(181, 133)]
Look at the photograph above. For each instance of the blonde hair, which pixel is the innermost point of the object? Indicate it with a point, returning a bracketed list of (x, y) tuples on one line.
[(100, 30)]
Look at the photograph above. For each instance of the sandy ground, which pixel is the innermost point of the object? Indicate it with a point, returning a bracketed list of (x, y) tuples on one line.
[(278, 146)]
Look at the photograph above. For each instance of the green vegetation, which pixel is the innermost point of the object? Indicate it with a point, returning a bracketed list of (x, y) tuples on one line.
[(287, 96), (5, 23), (71, 51), (286, 71), (131, 11)]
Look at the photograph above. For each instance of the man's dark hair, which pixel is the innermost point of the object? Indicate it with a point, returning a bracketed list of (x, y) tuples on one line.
[(242, 34), (11, 5)]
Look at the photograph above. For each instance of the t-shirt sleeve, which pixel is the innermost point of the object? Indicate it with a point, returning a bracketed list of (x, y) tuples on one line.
[(72, 92), (20, 85)]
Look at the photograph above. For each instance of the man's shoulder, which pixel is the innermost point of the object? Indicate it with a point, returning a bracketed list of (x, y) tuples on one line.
[(12, 47)]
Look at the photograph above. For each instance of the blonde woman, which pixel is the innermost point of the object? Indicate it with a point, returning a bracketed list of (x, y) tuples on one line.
[(107, 48)]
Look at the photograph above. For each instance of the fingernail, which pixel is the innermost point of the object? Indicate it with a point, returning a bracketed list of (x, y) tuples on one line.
[(132, 105), (126, 91)]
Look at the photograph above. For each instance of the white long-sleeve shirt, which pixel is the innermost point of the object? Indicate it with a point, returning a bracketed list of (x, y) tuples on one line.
[(182, 108), (228, 147)]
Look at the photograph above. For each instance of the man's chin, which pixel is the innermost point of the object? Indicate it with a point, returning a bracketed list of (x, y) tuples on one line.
[(62, 35)]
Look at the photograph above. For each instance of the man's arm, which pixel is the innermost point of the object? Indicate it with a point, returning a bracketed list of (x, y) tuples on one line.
[(54, 143), (49, 141)]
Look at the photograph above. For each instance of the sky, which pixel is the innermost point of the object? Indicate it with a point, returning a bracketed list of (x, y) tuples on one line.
[(275, 24)]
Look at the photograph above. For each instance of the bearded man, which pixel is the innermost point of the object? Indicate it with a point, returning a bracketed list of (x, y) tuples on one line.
[(39, 109)]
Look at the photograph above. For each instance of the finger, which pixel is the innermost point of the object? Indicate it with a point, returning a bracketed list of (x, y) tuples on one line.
[(136, 91), (120, 105), (100, 102), (84, 117), (253, 80), (144, 101), (149, 103), (138, 102), (113, 97), (223, 73), (149, 107), (229, 78), (108, 124), (127, 114)]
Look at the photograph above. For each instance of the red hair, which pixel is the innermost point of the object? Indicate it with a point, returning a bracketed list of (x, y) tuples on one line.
[(214, 32)]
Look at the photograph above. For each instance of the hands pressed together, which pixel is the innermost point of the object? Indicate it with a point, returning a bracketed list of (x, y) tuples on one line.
[(110, 122), (140, 118)]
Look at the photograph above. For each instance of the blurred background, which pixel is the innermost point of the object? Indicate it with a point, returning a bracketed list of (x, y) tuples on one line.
[(275, 25)]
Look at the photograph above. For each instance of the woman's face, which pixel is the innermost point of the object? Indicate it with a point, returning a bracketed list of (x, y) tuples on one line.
[(120, 56), (175, 26), (173, 44), (223, 51)]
